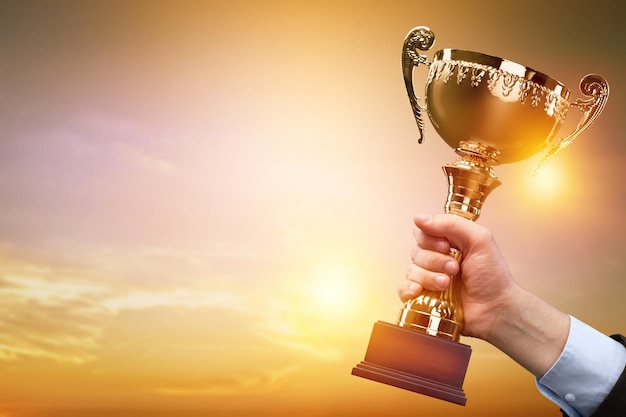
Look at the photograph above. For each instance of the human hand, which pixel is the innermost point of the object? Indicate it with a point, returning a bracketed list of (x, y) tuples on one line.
[(486, 282)]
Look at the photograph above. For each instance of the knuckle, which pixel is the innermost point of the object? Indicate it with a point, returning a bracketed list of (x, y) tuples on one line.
[(410, 272), (433, 262)]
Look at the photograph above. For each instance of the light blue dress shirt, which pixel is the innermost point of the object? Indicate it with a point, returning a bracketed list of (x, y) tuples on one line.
[(586, 371)]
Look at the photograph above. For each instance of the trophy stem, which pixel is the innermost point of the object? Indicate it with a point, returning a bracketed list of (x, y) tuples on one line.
[(470, 181)]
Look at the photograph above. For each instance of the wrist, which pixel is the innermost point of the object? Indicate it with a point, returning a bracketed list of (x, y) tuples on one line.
[(504, 313), (529, 330)]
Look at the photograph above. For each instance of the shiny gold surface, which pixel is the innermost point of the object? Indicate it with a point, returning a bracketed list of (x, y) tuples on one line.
[(476, 98), (491, 111), (435, 313), (493, 102), (470, 181)]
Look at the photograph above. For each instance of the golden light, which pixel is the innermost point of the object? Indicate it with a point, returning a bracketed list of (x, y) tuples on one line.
[(334, 288), (549, 183), (331, 292)]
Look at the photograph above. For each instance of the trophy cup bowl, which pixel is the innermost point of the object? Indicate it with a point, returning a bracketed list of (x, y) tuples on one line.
[(490, 111)]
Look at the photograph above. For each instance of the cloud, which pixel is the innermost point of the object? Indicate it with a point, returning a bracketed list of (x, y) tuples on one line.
[(63, 306), (61, 313), (287, 329), (254, 382), (66, 321), (141, 300), (52, 320)]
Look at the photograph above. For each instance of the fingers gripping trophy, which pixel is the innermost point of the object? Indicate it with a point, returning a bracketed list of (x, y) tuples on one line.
[(490, 111)]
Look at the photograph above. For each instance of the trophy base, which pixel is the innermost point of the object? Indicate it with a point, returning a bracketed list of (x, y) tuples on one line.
[(415, 361)]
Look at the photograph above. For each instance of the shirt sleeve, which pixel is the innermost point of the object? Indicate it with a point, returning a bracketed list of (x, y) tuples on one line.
[(586, 371)]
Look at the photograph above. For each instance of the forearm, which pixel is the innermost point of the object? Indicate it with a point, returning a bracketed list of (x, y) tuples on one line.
[(530, 331)]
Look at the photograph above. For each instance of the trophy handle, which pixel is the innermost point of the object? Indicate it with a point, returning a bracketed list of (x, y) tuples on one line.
[(595, 87), (421, 38)]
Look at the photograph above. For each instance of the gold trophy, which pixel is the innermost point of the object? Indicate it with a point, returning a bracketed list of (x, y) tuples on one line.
[(490, 111)]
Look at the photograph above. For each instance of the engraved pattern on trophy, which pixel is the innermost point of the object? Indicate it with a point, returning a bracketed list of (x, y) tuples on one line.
[(554, 105), (595, 87)]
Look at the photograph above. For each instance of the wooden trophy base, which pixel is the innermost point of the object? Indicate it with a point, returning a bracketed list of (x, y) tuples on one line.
[(416, 361)]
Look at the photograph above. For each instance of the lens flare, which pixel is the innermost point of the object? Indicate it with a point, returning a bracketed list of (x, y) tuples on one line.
[(549, 183), (333, 288)]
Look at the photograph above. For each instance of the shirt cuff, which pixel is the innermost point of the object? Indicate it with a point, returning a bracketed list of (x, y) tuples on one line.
[(586, 371)]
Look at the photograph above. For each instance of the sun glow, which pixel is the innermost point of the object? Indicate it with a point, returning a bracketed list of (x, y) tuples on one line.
[(549, 183), (331, 293), (333, 288)]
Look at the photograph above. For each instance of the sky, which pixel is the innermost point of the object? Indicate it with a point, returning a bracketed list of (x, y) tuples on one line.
[(205, 206)]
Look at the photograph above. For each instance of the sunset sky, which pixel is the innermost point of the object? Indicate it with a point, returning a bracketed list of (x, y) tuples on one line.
[(205, 206)]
